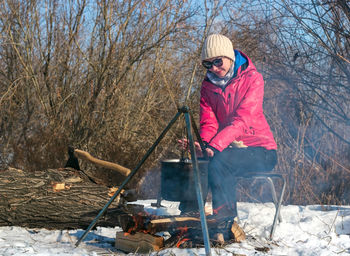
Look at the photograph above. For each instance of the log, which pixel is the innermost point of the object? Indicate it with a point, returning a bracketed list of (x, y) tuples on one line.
[(138, 242), (175, 223), (152, 224), (55, 199)]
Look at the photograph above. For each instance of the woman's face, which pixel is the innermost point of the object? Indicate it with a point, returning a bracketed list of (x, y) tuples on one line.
[(222, 70)]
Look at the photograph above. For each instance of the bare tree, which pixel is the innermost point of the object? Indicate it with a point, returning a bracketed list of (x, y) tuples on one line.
[(84, 73), (104, 76), (302, 48)]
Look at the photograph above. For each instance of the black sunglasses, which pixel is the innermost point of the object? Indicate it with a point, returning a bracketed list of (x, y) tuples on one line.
[(209, 64)]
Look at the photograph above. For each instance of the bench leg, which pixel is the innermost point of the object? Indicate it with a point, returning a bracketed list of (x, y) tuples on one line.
[(274, 196), (278, 207)]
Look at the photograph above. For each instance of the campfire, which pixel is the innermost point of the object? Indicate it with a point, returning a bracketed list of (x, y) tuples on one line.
[(143, 232)]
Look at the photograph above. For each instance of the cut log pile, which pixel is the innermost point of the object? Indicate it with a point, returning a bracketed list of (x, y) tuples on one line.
[(55, 199)]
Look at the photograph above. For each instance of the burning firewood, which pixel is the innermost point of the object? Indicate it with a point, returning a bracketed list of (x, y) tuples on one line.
[(185, 231)]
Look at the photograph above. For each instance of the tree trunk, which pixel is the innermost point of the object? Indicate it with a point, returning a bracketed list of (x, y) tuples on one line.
[(54, 199)]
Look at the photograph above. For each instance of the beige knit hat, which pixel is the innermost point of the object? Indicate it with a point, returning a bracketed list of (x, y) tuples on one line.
[(216, 45)]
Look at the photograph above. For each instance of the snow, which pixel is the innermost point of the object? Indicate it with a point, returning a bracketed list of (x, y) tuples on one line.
[(304, 230)]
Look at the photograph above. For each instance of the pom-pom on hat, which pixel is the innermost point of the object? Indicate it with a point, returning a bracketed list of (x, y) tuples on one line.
[(216, 45)]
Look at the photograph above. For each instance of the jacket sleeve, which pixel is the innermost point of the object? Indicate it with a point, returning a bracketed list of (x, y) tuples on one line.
[(208, 122), (248, 111)]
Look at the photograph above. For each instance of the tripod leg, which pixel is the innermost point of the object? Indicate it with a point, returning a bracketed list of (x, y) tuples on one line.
[(196, 132), (197, 183), (150, 150)]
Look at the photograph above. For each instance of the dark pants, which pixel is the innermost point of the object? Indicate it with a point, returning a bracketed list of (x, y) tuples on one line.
[(231, 162), (222, 171)]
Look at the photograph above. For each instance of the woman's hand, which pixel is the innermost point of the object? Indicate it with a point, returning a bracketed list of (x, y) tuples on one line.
[(210, 152), (183, 144)]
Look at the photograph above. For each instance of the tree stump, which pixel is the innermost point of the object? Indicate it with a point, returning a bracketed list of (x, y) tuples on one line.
[(54, 199)]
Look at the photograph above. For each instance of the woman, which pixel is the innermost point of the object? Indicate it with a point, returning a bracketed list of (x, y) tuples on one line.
[(233, 127)]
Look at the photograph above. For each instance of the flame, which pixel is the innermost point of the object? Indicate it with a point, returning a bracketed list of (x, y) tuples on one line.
[(181, 242), (183, 230), (216, 210), (138, 223)]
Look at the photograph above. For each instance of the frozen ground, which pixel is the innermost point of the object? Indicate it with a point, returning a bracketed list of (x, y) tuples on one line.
[(305, 230)]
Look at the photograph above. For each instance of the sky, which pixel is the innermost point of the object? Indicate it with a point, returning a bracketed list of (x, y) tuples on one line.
[(304, 230)]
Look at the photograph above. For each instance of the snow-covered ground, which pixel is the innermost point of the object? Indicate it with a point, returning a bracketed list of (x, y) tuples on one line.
[(305, 230)]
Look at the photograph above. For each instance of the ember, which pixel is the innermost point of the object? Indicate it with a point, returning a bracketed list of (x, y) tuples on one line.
[(182, 239), (181, 242)]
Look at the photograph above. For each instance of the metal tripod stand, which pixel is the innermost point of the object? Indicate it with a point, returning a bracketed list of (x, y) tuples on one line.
[(190, 125)]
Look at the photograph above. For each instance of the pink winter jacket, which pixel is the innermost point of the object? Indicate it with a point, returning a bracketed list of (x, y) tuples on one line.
[(235, 114)]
